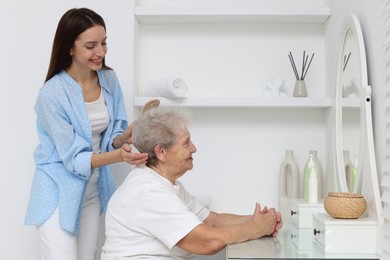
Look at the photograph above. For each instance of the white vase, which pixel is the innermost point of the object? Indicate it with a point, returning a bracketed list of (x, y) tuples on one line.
[(288, 183)]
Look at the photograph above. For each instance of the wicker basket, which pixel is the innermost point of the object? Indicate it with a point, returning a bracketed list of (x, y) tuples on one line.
[(345, 205)]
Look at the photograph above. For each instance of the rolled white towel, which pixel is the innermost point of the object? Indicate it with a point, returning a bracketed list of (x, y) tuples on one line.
[(166, 87)]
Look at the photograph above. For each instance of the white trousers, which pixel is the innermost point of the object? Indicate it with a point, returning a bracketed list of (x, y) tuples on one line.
[(58, 244)]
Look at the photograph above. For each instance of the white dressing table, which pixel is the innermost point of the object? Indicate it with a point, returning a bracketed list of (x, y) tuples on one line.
[(282, 247)]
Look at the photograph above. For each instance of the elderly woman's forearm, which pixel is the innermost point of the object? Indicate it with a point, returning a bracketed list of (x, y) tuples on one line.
[(206, 240), (224, 219)]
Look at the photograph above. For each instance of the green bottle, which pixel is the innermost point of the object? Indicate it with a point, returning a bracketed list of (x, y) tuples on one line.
[(354, 171)]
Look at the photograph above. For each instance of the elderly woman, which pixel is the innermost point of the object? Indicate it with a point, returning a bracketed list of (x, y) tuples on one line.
[(152, 216)]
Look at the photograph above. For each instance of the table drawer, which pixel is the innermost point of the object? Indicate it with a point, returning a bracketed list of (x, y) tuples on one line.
[(302, 212), (344, 236)]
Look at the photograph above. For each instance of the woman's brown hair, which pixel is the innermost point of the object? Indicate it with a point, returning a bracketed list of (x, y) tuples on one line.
[(74, 22)]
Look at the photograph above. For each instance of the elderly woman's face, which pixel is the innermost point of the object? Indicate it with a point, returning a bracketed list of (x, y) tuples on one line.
[(179, 156)]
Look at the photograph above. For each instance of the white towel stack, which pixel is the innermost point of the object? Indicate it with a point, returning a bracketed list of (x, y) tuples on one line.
[(169, 87)]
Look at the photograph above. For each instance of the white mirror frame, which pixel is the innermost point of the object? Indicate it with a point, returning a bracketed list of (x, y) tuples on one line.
[(367, 182), (369, 177), (350, 25)]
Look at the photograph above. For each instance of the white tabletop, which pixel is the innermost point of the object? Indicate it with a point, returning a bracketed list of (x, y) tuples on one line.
[(283, 248)]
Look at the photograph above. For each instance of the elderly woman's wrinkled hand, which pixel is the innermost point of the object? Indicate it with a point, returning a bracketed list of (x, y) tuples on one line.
[(279, 223), (277, 217), (132, 158)]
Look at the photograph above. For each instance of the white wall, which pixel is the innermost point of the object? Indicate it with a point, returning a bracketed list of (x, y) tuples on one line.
[(27, 30)]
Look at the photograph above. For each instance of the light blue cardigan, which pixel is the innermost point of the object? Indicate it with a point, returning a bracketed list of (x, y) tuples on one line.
[(63, 157)]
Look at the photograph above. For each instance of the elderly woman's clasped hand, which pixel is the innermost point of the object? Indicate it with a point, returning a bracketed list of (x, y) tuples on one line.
[(268, 221)]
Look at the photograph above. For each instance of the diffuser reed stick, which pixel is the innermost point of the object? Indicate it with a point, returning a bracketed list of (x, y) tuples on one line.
[(305, 65), (346, 59), (293, 65)]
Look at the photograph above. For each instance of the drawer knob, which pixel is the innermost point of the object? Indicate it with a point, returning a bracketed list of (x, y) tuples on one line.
[(316, 232), (293, 213)]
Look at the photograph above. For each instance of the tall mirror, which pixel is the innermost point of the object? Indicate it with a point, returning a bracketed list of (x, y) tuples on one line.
[(355, 160), (351, 76)]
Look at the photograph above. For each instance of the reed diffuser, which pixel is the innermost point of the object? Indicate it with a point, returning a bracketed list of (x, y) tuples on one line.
[(300, 85)]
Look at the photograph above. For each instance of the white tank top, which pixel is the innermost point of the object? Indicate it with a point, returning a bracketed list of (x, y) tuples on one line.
[(98, 116)]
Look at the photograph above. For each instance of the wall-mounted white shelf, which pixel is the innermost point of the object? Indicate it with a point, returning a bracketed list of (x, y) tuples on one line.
[(226, 102), (229, 14)]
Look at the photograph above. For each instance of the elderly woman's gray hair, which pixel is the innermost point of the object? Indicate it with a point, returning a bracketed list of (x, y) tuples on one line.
[(158, 126)]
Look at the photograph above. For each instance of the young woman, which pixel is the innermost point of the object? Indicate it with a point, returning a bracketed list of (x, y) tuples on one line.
[(82, 128)]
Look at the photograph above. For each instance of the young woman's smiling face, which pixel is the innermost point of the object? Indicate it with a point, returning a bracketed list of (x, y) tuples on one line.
[(90, 48)]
